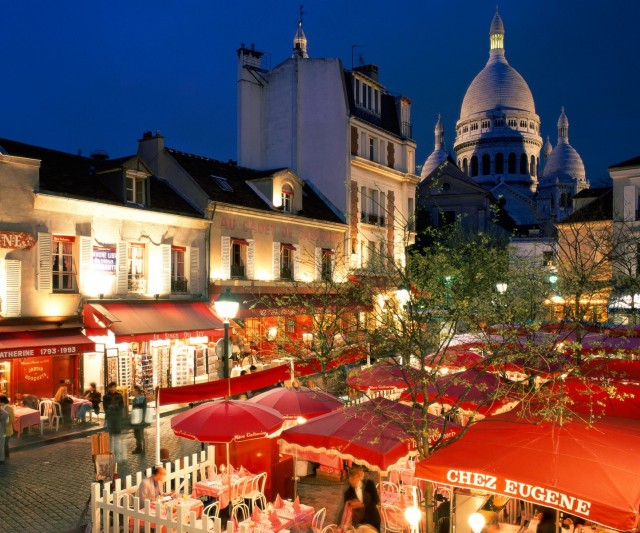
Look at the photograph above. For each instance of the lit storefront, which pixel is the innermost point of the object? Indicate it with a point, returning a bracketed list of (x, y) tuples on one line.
[(166, 344)]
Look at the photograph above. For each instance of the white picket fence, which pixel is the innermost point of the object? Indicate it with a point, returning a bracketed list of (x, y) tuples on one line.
[(119, 510)]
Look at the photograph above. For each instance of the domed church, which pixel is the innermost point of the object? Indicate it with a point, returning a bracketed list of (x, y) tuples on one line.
[(498, 144)]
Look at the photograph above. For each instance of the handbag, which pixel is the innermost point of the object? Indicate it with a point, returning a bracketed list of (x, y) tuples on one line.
[(150, 415), (136, 417)]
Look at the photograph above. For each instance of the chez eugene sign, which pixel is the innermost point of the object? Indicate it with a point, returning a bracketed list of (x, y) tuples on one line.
[(517, 489)]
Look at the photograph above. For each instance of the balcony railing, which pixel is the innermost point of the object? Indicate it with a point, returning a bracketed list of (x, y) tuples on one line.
[(179, 285)]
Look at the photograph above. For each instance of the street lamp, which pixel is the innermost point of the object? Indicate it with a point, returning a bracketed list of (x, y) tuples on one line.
[(403, 294), (412, 514), (226, 308), (477, 522)]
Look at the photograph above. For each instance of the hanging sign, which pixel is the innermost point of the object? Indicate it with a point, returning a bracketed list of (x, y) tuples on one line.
[(103, 259), (16, 239)]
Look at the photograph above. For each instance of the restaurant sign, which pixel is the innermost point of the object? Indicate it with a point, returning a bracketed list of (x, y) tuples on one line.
[(63, 349), (16, 239), (103, 259), (517, 489)]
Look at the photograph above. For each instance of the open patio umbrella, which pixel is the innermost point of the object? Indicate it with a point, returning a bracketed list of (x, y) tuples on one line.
[(298, 402), (374, 433), (226, 421), (618, 369), (381, 376), (453, 358), (590, 472)]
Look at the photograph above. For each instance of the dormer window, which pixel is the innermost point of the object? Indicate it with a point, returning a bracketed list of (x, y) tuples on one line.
[(287, 198), (136, 184)]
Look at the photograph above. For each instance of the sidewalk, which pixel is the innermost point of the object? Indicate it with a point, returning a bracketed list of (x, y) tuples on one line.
[(31, 437)]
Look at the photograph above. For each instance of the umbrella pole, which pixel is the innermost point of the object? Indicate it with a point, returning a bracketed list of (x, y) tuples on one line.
[(158, 426), (228, 468), (295, 475)]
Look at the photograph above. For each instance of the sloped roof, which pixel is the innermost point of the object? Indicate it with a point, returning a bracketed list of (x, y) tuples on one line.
[(633, 162), (85, 178), (600, 209), (204, 170)]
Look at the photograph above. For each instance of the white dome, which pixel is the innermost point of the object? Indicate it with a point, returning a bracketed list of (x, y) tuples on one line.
[(565, 164), (497, 86), (435, 159)]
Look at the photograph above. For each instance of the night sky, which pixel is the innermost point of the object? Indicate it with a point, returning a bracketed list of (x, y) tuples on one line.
[(87, 75)]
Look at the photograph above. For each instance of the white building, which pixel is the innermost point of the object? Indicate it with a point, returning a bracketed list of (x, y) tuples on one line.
[(343, 131)]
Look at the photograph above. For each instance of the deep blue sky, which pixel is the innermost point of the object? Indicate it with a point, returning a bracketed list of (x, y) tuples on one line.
[(87, 75)]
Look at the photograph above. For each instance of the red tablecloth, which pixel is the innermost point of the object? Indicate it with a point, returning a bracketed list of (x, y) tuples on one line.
[(24, 418), (287, 517), (218, 487)]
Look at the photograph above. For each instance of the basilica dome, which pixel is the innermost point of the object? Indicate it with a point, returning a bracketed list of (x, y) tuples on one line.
[(564, 162)]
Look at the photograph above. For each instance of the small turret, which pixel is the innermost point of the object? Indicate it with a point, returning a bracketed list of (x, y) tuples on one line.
[(547, 149), (563, 128), (300, 42), (496, 32)]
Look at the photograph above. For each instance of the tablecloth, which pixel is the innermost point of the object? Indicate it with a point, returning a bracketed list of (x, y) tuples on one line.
[(24, 418)]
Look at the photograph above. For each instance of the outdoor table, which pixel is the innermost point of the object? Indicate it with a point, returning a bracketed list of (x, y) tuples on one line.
[(287, 517), (191, 504), (24, 418), (388, 497), (218, 487), (75, 407)]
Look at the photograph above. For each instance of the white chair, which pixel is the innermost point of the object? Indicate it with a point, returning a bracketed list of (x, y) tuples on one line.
[(46, 410), (255, 491), (56, 415), (317, 522), (331, 528), (209, 513), (205, 469), (240, 513), (236, 494), (389, 486), (392, 519)]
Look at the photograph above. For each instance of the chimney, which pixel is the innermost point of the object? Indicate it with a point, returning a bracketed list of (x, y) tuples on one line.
[(370, 71), (151, 150)]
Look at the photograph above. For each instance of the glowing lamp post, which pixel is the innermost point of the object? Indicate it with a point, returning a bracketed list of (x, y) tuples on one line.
[(226, 308), (477, 522), (412, 514)]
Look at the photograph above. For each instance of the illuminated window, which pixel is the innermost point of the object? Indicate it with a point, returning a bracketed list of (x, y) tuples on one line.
[(137, 272), (287, 198), (136, 185), (286, 261), (238, 258), (62, 264)]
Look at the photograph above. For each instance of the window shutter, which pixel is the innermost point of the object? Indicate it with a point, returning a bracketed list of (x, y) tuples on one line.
[(318, 264), (629, 203), (391, 155), (122, 281), (333, 265), (194, 270), (165, 286), (354, 140), (296, 262), (86, 250), (11, 292), (251, 254), (226, 258), (276, 260), (45, 277)]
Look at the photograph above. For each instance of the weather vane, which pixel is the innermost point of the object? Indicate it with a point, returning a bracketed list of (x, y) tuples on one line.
[(301, 12)]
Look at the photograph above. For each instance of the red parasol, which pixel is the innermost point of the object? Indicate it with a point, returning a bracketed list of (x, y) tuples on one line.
[(618, 369), (374, 433), (226, 421), (591, 472), (453, 358), (471, 390), (298, 402), (381, 376)]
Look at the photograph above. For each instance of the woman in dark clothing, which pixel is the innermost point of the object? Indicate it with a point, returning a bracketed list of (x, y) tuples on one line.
[(65, 402), (139, 403)]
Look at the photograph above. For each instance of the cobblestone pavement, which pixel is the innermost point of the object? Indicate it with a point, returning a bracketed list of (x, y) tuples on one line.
[(44, 489)]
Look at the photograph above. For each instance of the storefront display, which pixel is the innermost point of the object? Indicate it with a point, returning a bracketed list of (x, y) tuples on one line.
[(5, 371)]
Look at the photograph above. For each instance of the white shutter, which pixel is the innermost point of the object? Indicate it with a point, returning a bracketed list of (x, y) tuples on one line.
[(11, 292), (333, 265), (226, 258), (318, 264), (296, 261), (629, 203), (194, 270), (122, 281), (86, 252), (165, 252), (45, 277), (251, 259), (276, 260)]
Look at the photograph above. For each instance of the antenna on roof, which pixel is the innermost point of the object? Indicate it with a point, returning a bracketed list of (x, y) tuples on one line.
[(353, 47)]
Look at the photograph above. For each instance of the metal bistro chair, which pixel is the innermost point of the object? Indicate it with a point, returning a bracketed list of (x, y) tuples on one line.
[(255, 492), (240, 513), (46, 411), (317, 522), (209, 513), (392, 519)]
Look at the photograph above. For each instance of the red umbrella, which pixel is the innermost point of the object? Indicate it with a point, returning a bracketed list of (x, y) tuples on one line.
[(471, 390), (591, 472), (298, 402), (226, 421), (453, 358), (618, 369), (374, 433), (381, 376)]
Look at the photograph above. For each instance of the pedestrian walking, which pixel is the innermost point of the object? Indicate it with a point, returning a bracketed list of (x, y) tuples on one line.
[(138, 414), (4, 426), (113, 403)]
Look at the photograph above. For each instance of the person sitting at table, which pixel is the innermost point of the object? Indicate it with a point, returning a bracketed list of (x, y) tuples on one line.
[(362, 498), (30, 401), (94, 397), (65, 401), (151, 487)]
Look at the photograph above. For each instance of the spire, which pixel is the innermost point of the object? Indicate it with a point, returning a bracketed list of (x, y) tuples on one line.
[(547, 149), (563, 128), (300, 39), (496, 33), (439, 134)]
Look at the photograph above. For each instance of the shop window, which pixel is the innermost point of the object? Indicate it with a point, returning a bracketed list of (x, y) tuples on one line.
[(286, 261), (136, 187), (287, 198), (178, 277), (62, 264), (327, 265), (239, 249), (136, 272)]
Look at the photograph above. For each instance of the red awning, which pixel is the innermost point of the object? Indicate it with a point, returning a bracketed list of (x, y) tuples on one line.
[(41, 343), (146, 321)]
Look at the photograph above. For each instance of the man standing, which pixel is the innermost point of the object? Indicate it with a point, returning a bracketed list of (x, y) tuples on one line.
[(113, 403), (362, 499), (8, 432), (4, 426)]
